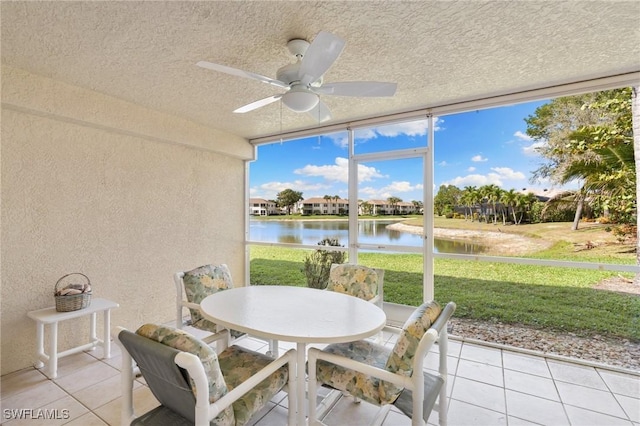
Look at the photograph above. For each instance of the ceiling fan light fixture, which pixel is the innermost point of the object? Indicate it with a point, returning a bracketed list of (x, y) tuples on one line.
[(300, 100)]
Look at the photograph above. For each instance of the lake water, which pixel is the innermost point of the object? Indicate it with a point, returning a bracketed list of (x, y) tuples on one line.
[(370, 232)]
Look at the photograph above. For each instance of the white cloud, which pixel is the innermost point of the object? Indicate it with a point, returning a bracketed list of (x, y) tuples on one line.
[(409, 128), (523, 136), (402, 186), (394, 189), (474, 180), (339, 172), (508, 173), (269, 190), (497, 177), (471, 169), (443, 164), (479, 159), (532, 150)]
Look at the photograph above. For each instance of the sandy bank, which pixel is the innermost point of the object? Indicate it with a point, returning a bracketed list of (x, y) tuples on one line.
[(496, 242)]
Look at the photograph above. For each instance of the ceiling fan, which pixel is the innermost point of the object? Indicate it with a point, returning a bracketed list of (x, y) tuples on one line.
[(302, 80)]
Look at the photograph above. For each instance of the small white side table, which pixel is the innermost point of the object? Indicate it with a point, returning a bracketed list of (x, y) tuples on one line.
[(52, 317)]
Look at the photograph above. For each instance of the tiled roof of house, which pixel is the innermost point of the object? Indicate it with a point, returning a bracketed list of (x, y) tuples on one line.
[(320, 200), (259, 201)]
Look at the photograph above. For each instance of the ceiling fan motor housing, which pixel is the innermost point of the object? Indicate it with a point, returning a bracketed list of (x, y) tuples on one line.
[(288, 73), (300, 99)]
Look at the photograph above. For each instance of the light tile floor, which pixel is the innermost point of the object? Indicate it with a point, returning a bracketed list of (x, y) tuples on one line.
[(487, 386)]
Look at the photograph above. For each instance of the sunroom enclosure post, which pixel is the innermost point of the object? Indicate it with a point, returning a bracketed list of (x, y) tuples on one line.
[(353, 199), (428, 292)]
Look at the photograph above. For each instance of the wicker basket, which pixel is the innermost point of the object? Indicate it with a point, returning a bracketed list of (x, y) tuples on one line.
[(70, 284)]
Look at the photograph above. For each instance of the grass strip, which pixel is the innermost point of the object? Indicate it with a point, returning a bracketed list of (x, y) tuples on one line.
[(553, 298)]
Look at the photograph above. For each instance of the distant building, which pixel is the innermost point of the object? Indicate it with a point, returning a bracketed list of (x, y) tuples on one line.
[(318, 205), (383, 207), (262, 207)]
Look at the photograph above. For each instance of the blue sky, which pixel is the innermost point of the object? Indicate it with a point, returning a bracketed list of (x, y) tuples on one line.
[(471, 149)]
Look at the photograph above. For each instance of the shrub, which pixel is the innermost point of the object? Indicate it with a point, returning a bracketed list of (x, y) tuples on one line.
[(317, 265), (625, 232)]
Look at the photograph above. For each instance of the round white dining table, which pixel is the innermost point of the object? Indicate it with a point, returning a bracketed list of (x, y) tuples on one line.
[(295, 314)]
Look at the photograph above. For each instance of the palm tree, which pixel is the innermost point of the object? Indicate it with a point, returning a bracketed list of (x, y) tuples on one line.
[(493, 192), (394, 203), (470, 194), (485, 192), (509, 198), (527, 202), (327, 198)]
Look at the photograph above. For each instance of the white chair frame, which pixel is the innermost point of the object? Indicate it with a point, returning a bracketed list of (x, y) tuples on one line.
[(181, 302), (415, 382), (206, 411)]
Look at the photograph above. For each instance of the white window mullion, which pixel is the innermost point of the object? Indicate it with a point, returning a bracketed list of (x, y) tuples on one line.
[(427, 217), (353, 200)]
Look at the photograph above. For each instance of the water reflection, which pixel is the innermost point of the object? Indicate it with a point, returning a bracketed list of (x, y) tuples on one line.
[(369, 232), (460, 247)]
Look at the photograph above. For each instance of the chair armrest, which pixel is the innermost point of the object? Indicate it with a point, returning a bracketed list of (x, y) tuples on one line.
[(315, 354), (222, 334), (205, 411), (190, 305)]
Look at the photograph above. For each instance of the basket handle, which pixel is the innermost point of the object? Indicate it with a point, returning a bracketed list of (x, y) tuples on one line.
[(55, 288)]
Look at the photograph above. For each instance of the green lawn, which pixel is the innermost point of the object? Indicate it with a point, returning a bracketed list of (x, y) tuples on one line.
[(553, 298)]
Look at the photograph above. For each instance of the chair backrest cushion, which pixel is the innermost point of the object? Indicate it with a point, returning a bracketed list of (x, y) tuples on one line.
[(401, 358), (167, 381), (355, 280), (185, 342), (205, 281)]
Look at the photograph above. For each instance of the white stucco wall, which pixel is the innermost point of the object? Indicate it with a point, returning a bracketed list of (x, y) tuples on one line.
[(123, 194)]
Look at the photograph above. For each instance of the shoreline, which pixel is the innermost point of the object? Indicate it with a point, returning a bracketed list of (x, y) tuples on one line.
[(495, 242)]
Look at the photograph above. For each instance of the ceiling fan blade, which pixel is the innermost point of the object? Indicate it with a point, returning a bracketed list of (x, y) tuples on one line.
[(358, 88), (321, 54), (240, 73), (258, 104), (320, 112)]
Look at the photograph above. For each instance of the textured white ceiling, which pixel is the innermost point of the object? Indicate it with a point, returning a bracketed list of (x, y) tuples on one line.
[(438, 52)]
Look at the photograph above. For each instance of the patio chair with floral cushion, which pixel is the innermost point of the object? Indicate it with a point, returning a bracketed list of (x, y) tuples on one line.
[(357, 280), (385, 377), (193, 286), (193, 384)]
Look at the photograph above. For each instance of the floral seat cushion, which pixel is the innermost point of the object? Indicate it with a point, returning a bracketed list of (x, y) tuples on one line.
[(355, 280), (205, 281), (183, 341), (397, 360), (401, 359), (365, 387), (237, 365), (202, 282), (225, 372)]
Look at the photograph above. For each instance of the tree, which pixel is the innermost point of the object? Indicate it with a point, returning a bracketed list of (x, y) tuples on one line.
[(367, 208), (287, 198), (510, 198), (327, 198), (418, 205), (468, 199), (447, 199), (493, 193), (588, 138), (394, 203)]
